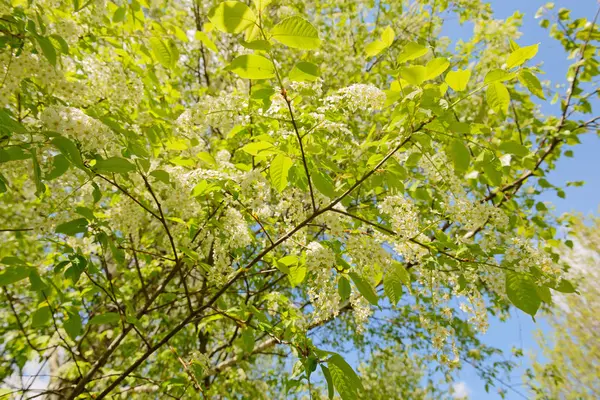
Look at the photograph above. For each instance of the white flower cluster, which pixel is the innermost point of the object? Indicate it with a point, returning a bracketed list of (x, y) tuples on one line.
[(359, 96), (403, 216), (523, 256), (322, 292), (72, 122)]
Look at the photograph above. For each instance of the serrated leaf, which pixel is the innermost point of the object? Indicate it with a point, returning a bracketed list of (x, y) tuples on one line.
[(412, 51), (296, 32), (69, 150), (392, 286), (106, 318), (522, 292), (114, 165), (251, 66), (436, 67), (520, 55), (231, 16), (323, 183), (278, 171), (304, 71), (365, 288), (498, 97), (531, 82), (460, 155), (544, 294), (345, 380), (161, 52), (459, 79)]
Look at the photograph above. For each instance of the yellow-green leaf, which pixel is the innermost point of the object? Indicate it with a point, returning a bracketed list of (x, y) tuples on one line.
[(304, 71), (375, 47), (498, 97), (460, 155), (388, 35), (436, 67), (498, 75), (414, 75), (364, 287), (520, 55), (231, 16), (251, 66), (531, 82), (296, 32), (261, 4), (522, 292), (278, 171), (206, 41), (412, 51), (459, 79), (161, 52)]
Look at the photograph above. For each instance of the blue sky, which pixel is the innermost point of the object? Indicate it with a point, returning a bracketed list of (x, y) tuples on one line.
[(585, 165)]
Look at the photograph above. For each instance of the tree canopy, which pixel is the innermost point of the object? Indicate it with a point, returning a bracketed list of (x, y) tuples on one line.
[(229, 199)]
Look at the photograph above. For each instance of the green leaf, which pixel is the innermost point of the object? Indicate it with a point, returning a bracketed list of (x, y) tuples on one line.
[(388, 35), (40, 188), (106, 318), (522, 292), (385, 41), (512, 147), (520, 55), (323, 183), (564, 286), (402, 273), (498, 75), (69, 150), (14, 153), (231, 16), (327, 375), (304, 71), (119, 14), (436, 67), (365, 288), (460, 155), (114, 164), (278, 171), (248, 340), (297, 274), (161, 52), (296, 32), (412, 51), (60, 165), (392, 286), (47, 48), (41, 316), (73, 325), (532, 83), (344, 288), (414, 75), (37, 284), (256, 147), (13, 274), (345, 380), (498, 97), (374, 48), (73, 227), (206, 41), (251, 66), (544, 294), (493, 172), (259, 44), (261, 4), (459, 79)]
